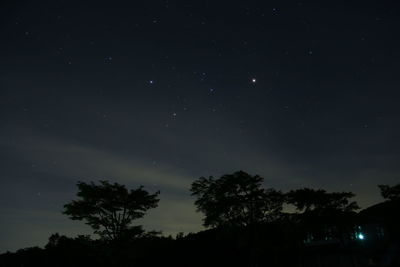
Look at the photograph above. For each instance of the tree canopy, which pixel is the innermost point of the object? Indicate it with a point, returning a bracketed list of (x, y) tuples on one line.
[(390, 192), (110, 208), (307, 200), (235, 199)]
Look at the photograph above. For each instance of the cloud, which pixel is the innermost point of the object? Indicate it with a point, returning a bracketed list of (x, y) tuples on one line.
[(56, 159), (81, 162)]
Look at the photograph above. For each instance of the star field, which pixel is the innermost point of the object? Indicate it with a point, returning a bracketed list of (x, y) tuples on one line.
[(159, 93)]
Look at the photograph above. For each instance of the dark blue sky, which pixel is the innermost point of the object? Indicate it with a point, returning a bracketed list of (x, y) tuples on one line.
[(159, 93)]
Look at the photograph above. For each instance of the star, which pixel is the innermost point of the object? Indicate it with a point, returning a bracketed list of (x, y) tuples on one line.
[(253, 80)]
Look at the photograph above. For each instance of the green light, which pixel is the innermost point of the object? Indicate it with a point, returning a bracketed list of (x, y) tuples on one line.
[(360, 236)]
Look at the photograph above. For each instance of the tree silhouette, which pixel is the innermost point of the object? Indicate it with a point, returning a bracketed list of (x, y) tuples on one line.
[(324, 215), (390, 192), (235, 199), (110, 208), (307, 200)]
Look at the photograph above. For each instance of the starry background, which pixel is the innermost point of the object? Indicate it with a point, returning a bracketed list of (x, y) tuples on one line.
[(159, 93)]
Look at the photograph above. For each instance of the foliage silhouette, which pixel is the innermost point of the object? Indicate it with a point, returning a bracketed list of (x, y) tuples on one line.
[(386, 212), (323, 215), (390, 192), (110, 209), (236, 199), (306, 200), (248, 228)]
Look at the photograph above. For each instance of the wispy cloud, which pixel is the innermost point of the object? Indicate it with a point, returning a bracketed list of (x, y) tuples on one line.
[(81, 162)]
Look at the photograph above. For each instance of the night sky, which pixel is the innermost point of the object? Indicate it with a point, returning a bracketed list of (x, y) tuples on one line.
[(159, 93)]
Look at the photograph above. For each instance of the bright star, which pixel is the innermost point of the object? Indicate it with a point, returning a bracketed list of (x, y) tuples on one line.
[(253, 80)]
